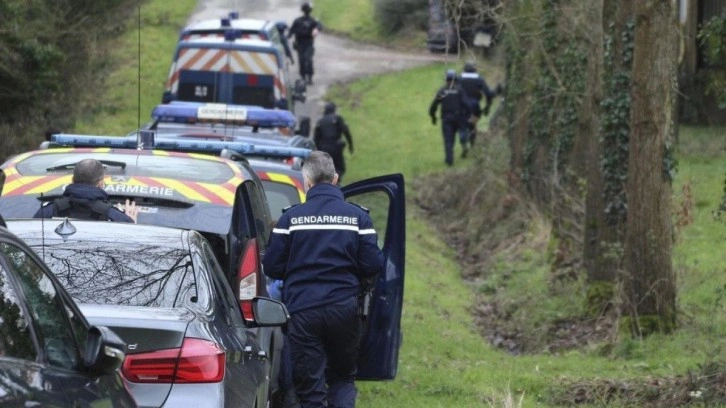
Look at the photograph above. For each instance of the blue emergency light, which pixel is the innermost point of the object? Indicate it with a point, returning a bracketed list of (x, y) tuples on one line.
[(195, 112), (196, 146)]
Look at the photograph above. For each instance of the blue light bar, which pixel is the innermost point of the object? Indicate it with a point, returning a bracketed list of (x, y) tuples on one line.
[(65, 139), (196, 146), (194, 112)]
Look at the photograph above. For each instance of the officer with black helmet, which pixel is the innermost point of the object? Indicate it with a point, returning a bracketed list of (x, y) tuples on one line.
[(328, 137), (476, 89), (305, 28), (455, 111)]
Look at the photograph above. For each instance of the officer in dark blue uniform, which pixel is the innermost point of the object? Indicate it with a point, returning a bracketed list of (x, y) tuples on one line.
[(305, 28), (282, 29), (328, 137), (322, 249), (476, 89), (85, 198), (455, 111)]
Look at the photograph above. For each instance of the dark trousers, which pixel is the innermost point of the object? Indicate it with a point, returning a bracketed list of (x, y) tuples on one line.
[(324, 347), (336, 153), (450, 125), (305, 52)]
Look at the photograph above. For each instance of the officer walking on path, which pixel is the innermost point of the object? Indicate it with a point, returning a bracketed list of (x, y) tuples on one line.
[(282, 29), (455, 111), (476, 89), (328, 137), (322, 249), (86, 199), (305, 28)]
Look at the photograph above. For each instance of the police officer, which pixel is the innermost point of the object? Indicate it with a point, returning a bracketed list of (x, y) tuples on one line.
[(322, 249), (85, 198), (476, 89), (328, 137), (305, 28), (455, 111), (282, 29)]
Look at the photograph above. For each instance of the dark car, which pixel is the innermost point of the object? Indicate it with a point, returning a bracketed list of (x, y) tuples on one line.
[(163, 292), (49, 354)]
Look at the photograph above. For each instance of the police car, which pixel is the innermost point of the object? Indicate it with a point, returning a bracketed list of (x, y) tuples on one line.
[(244, 28), (225, 201), (226, 122)]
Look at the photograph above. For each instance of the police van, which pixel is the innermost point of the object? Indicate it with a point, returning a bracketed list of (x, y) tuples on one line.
[(231, 70)]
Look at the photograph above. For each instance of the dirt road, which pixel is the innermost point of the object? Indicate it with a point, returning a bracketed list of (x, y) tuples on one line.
[(336, 59)]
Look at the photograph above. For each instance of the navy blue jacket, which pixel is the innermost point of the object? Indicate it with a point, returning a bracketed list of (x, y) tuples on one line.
[(85, 192), (454, 103), (322, 249)]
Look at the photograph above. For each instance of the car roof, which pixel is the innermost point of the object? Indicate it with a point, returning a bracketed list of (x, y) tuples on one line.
[(220, 42), (158, 180), (235, 24), (99, 231)]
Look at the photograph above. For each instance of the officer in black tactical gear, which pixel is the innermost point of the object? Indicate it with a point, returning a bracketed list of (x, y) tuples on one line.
[(455, 111), (86, 199), (328, 137), (282, 29), (305, 28), (476, 89)]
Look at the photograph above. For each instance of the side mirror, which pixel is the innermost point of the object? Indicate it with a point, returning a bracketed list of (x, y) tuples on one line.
[(105, 351), (269, 312), (167, 97)]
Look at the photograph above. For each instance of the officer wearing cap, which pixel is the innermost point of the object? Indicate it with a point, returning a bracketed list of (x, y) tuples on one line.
[(328, 137), (476, 89), (322, 249), (305, 28), (455, 111)]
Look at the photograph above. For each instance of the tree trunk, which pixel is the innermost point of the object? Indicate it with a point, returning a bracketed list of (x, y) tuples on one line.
[(608, 77), (650, 284)]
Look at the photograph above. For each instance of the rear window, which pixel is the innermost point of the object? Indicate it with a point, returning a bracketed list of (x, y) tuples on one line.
[(181, 168), (279, 196), (127, 274)]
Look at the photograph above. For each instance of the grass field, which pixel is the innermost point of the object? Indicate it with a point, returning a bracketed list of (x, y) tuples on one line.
[(444, 361)]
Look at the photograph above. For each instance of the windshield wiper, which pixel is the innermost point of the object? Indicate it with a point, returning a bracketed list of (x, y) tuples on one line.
[(71, 166)]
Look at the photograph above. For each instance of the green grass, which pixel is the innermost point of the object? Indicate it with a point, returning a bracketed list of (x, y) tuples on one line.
[(116, 109), (444, 362)]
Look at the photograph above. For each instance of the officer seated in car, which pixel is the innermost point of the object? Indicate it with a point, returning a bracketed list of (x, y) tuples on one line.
[(86, 199)]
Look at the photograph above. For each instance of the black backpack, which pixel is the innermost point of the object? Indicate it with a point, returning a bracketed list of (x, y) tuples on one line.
[(82, 209)]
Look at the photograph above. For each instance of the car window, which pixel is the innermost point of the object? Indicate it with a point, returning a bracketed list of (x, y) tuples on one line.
[(47, 307), (226, 297), (15, 336), (108, 273), (174, 167), (279, 196), (261, 213)]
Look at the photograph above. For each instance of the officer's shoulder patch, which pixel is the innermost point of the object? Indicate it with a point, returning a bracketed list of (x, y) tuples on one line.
[(360, 206), (289, 207)]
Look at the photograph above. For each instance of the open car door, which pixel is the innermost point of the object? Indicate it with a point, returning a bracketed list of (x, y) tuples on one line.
[(384, 197)]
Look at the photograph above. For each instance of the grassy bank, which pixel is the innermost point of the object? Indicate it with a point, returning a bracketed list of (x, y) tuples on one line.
[(444, 361)]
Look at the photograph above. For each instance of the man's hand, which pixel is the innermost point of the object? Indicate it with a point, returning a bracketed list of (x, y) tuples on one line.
[(433, 120), (131, 210)]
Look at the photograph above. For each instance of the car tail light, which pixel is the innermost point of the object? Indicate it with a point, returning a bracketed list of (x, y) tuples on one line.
[(247, 278), (197, 361)]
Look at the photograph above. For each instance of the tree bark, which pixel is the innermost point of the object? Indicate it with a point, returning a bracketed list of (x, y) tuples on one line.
[(650, 283)]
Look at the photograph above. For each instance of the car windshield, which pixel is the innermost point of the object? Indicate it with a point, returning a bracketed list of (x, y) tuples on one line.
[(192, 169), (110, 273)]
